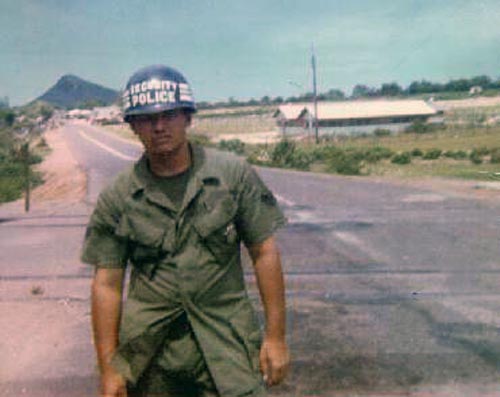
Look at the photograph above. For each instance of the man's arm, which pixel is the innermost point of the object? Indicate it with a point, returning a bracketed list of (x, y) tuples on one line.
[(107, 289), (274, 357)]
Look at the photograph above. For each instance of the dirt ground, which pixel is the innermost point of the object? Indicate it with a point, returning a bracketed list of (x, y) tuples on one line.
[(64, 179)]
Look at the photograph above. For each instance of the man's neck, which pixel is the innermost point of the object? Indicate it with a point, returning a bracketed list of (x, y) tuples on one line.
[(172, 163)]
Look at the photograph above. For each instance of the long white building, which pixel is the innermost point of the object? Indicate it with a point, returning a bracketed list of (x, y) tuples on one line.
[(353, 117)]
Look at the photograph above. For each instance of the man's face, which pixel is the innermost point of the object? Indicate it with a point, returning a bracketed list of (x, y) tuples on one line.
[(161, 133)]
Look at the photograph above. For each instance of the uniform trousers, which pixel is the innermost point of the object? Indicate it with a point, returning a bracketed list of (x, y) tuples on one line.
[(179, 368)]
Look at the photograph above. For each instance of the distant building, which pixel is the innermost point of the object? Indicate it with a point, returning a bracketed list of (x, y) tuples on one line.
[(107, 115), (475, 90), (353, 117), (79, 114)]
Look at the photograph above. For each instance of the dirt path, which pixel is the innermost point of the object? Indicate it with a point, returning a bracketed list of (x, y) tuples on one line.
[(64, 179)]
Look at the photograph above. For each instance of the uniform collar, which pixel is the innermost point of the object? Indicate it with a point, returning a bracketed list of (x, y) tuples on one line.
[(144, 181)]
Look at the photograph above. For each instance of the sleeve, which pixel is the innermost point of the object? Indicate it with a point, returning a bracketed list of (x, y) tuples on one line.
[(259, 215), (101, 246)]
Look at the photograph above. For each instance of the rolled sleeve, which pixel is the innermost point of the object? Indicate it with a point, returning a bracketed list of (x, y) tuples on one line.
[(101, 246), (259, 214)]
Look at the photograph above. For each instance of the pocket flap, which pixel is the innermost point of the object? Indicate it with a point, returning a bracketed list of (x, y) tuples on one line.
[(215, 216), (140, 230)]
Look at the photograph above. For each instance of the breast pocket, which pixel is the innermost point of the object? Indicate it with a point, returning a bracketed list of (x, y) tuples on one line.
[(214, 223), (146, 241)]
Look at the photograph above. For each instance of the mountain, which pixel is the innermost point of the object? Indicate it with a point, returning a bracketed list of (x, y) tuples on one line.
[(72, 92)]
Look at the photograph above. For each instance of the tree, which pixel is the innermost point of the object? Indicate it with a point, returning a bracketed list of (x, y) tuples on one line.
[(335, 94), (362, 91), (482, 81), (265, 100), (424, 87), (391, 89)]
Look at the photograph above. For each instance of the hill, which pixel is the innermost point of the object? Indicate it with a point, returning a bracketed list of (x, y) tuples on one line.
[(72, 92)]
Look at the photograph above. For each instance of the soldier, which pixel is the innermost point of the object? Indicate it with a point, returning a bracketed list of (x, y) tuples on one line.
[(178, 216)]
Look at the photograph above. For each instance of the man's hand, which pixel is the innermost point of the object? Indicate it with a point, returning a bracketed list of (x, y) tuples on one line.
[(112, 384), (274, 361), (274, 357), (107, 288)]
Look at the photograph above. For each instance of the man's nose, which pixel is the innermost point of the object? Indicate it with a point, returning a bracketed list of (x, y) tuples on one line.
[(159, 123)]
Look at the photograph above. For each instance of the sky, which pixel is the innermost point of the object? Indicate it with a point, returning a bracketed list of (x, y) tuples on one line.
[(246, 48)]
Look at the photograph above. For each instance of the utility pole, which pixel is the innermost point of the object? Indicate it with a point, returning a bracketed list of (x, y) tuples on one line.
[(315, 95)]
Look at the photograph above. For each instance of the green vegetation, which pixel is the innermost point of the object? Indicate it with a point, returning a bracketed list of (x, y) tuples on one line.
[(401, 158), (232, 145), (455, 151), (453, 89), (13, 158), (432, 154)]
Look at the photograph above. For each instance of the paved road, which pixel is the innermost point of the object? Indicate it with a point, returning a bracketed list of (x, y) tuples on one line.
[(391, 290)]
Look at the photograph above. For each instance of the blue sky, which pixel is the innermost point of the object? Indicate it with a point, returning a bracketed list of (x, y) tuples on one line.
[(243, 48)]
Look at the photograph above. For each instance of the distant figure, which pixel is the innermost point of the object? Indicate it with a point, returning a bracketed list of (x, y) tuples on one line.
[(178, 216)]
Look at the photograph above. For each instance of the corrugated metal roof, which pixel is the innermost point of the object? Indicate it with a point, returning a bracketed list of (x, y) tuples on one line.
[(360, 109)]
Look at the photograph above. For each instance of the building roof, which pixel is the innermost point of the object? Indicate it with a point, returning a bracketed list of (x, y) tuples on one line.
[(359, 109), (290, 111)]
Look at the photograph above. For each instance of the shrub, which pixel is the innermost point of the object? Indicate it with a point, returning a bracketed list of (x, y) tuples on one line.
[(419, 127), (345, 162), (282, 152), (42, 143), (199, 139), (377, 153), (259, 157), (232, 145), (35, 159), (495, 156), (417, 152), (401, 158), (432, 154), (481, 151), (475, 158), (300, 159), (458, 155)]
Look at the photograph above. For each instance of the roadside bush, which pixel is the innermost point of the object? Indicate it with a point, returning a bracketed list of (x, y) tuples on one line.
[(42, 143), (232, 145), (199, 139), (401, 158), (495, 156), (432, 154), (259, 157), (419, 127), (481, 151), (456, 155), (345, 162), (12, 180), (382, 132), (377, 153), (35, 159), (475, 157), (300, 159), (417, 152), (282, 153)]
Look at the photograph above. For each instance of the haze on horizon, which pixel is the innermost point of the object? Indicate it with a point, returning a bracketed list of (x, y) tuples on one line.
[(234, 48)]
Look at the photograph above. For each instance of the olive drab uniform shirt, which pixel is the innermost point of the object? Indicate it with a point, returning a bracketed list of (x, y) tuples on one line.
[(186, 260)]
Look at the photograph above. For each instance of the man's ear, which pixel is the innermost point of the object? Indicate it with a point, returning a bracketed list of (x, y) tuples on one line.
[(132, 127)]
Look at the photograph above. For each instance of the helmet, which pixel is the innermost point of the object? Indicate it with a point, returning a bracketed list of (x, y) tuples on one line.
[(155, 89)]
